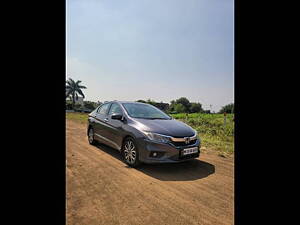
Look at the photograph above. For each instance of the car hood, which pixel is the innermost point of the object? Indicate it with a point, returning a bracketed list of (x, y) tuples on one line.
[(172, 127)]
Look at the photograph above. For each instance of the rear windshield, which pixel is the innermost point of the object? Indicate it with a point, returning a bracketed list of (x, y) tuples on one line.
[(144, 111)]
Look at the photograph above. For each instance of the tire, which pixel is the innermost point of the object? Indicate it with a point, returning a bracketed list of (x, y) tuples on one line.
[(130, 153), (91, 138)]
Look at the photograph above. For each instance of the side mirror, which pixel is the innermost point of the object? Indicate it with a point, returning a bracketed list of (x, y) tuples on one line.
[(117, 116)]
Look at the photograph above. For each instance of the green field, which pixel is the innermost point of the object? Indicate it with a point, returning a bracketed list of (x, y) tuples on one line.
[(212, 132), (78, 117), (211, 129)]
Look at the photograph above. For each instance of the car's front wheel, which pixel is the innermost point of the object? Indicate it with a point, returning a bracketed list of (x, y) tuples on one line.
[(130, 153), (91, 136)]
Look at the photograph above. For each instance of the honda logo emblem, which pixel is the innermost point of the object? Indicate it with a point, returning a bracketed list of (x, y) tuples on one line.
[(187, 140)]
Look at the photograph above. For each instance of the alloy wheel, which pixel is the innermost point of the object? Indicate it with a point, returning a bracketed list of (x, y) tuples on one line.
[(130, 152), (91, 136)]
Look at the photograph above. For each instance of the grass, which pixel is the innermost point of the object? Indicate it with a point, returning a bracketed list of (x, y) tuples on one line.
[(210, 127), (212, 131), (78, 117)]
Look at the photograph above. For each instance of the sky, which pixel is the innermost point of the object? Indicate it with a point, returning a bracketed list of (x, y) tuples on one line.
[(162, 50)]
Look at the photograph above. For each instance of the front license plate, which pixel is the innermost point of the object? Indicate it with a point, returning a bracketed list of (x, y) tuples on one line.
[(188, 151)]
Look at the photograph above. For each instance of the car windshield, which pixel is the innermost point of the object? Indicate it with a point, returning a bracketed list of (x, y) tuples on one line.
[(144, 111)]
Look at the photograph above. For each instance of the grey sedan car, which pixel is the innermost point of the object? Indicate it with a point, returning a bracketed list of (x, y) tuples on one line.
[(142, 133)]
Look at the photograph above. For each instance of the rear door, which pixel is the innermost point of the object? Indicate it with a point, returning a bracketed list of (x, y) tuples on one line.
[(100, 122), (115, 127)]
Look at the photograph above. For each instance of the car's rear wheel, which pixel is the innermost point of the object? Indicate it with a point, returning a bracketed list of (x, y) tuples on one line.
[(130, 152), (91, 136)]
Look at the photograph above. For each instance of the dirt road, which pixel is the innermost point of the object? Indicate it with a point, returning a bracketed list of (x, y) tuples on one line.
[(102, 189)]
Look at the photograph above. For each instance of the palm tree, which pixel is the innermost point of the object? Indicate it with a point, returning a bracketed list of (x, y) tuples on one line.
[(73, 89)]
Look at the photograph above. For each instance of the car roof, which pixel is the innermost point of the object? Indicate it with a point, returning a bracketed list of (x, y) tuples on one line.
[(121, 102)]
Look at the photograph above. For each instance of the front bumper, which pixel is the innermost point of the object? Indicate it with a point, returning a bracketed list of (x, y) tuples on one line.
[(166, 153)]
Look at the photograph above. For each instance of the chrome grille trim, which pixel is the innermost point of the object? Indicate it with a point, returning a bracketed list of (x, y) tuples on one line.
[(183, 138)]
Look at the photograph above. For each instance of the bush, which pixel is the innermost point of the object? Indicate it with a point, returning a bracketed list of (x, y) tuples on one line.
[(69, 105), (90, 105), (78, 107)]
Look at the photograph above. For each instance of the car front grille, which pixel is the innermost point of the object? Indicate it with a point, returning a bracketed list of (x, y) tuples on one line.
[(180, 144)]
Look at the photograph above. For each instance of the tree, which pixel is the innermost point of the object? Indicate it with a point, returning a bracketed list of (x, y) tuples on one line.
[(142, 101), (172, 107), (179, 108), (229, 108), (196, 107), (188, 107), (185, 102), (73, 89), (182, 104), (162, 106)]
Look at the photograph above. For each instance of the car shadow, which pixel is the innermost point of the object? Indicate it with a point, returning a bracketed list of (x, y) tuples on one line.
[(184, 171)]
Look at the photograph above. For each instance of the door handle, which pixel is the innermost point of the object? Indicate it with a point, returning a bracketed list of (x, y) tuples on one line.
[(106, 120)]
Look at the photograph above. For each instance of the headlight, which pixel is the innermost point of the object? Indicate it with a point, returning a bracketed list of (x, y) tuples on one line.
[(157, 137), (196, 133)]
